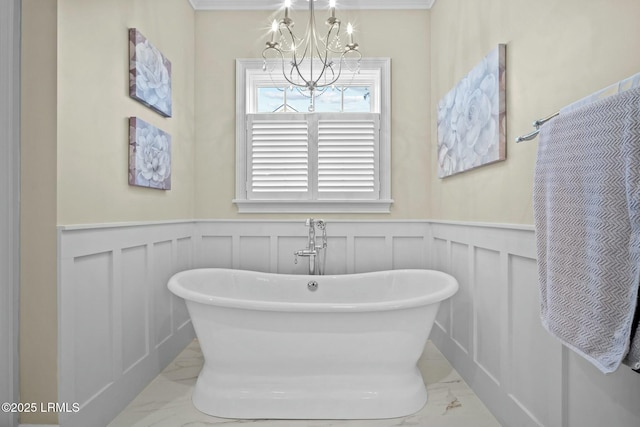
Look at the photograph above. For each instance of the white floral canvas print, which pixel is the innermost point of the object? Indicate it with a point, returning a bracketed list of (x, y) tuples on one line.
[(472, 118), (149, 74), (149, 155)]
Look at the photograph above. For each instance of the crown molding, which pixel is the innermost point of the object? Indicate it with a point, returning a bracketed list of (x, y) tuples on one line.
[(275, 4)]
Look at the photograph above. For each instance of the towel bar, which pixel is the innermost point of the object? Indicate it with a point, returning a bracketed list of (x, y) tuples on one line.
[(536, 124), (623, 85)]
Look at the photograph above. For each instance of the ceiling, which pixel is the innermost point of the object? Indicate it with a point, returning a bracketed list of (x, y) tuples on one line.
[(275, 4)]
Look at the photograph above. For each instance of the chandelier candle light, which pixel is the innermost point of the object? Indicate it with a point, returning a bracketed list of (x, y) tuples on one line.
[(299, 56)]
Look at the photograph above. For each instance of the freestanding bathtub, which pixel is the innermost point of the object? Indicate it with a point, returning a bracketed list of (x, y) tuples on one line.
[(311, 347)]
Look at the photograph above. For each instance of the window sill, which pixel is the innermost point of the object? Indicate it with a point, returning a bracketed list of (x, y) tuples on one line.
[(312, 206)]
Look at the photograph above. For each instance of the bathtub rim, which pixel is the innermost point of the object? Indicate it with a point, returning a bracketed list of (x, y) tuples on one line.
[(447, 291)]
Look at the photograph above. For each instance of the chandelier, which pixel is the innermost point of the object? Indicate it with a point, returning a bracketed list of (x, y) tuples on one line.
[(312, 63)]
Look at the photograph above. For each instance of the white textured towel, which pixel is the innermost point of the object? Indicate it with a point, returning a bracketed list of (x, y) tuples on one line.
[(587, 218)]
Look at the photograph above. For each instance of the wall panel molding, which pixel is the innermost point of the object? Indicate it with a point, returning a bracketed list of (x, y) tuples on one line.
[(523, 374), (232, 244), (113, 294), (119, 325)]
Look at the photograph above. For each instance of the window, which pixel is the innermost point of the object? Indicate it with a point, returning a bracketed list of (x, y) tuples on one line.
[(344, 99), (334, 159)]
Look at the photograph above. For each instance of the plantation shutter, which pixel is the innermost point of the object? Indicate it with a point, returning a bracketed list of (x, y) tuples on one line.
[(348, 156), (278, 157), (319, 156)]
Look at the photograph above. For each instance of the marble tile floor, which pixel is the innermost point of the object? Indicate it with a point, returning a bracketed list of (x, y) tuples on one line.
[(166, 401)]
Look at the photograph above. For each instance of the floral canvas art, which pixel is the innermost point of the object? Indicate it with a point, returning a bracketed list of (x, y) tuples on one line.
[(149, 74), (472, 118), (149, 155)]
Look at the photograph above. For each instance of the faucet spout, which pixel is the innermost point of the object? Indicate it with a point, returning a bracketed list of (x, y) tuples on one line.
[(305, 252)]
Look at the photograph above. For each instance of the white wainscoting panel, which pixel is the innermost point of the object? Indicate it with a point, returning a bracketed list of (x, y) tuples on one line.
[(135, 306), (216, 251), (337, 262), (119, 325), (353, 246), (255, 253), (491, 333), (407, 252), (462, 302)]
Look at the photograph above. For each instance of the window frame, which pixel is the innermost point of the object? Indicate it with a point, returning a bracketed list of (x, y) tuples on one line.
[(248, 74)]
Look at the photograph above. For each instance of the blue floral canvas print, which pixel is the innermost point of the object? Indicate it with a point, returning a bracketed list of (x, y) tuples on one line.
[(149, 74), (149, 155), (472, 118)]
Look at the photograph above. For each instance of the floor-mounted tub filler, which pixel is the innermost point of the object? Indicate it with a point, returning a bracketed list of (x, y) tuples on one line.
[(285, 346)]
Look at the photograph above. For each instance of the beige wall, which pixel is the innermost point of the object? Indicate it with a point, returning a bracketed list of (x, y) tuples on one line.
[(221, 37), (94, 107), (75, 109), (38, 310), (558, 51)]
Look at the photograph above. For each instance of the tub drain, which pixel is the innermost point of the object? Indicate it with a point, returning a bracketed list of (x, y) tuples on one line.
[(312, 285)]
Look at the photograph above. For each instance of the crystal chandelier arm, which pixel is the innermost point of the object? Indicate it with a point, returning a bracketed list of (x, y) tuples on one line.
[(324, 58), (292, 37), (282, 60), (317, 51), (334, 76), (295, 62), (352, 48), (337, 25)]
